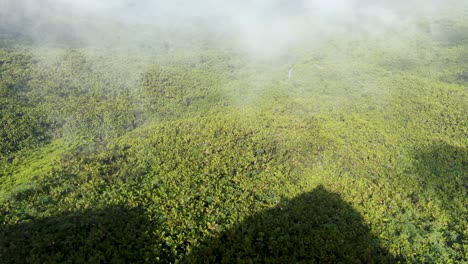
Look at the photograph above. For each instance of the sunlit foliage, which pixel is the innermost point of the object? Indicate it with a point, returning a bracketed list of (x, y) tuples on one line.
[(208, 155)]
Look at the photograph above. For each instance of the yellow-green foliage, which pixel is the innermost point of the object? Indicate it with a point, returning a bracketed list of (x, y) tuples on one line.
[(360, 156)]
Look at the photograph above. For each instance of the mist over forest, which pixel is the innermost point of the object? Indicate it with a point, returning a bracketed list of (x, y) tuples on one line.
[(251, 25), (268, 131)]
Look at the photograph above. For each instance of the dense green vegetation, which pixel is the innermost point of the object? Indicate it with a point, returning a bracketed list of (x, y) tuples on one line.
[(209, 155)]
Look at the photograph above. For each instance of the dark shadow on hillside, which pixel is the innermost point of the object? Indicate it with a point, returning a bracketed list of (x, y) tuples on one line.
[(444, 167), (442, 158), (442, 170), (316, 227), (111, 235)]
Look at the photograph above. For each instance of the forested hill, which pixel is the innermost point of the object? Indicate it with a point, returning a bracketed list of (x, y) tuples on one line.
[(191, 149)]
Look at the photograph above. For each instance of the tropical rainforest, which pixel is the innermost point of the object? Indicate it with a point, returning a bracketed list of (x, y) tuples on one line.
[(300, 136)]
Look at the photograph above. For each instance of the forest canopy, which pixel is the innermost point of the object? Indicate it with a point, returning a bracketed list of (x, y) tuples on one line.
[(233, 131)]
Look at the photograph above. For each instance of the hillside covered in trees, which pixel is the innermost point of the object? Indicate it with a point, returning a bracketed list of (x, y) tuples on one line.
[(125, 141)]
